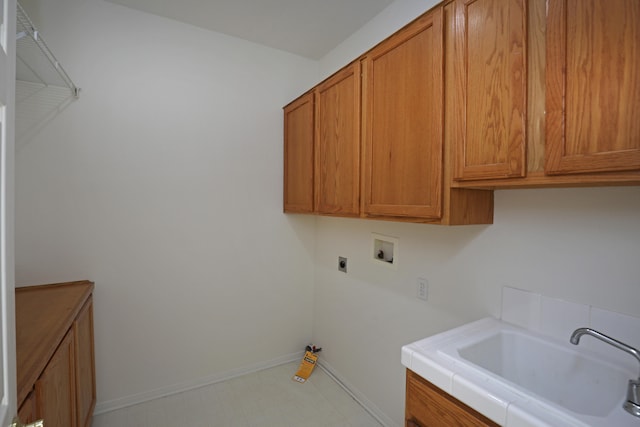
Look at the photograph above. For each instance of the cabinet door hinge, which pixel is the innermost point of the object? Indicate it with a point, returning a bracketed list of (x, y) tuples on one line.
[(16, 423)]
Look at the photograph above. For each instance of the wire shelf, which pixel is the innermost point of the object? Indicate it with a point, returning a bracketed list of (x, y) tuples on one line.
[(43, 87), (35, 62)]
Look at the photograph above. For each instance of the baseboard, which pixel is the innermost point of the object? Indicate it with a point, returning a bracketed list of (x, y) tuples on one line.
[(112, 405), (359, 397)]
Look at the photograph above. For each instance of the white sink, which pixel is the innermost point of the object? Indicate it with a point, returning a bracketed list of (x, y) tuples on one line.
[(517, 377), (553, 372)]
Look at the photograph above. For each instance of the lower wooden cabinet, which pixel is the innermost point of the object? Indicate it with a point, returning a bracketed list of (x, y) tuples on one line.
[(55, 390), (428, 406), (27, 411), (55, 354), (85, 365)]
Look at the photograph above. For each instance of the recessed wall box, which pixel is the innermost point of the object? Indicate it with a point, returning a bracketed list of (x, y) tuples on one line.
[(385, 250), (342, 264)]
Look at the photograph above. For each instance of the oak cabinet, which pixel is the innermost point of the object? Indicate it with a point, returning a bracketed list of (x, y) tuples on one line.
[(428, 406), (592, 86), (298, 155), (322, 147), (471, 96), (402, 121), (582, 95), (55, 389), (490, 88), (85, 365), (381, 150), (406, 143), (27, 411), (55, 354), (337, 143)]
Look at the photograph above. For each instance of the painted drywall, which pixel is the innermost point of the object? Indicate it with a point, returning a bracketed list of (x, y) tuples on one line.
[(163, 184), (580, 245), (387, 22)]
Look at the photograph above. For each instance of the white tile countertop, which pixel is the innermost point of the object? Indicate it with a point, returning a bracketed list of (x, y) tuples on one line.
[(438, 360)]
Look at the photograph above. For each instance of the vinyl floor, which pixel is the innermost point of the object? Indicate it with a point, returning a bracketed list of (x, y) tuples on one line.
[(267, 398)]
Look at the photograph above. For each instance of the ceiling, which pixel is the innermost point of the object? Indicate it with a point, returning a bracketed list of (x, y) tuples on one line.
[(310, 28)]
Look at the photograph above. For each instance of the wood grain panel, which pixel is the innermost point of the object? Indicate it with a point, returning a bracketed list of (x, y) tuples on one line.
[(85, 365), (55, 389), (403, 122), (593, 86), (460, 206), (536, 61), (428, 406), (44, 314), (27, 411), (298, 155), (492, 90), (337, 164), (54, 353), (542, 180)]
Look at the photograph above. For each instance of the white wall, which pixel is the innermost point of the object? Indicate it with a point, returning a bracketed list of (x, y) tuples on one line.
[(387, 22), (581, 245), (163, 184)]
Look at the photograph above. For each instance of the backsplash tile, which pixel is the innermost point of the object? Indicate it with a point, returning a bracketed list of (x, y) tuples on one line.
[(627, 328), (521, 308), (558, 318), (618, 326)]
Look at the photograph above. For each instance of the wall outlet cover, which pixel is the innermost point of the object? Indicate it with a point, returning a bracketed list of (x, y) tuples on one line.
[(422, 288)]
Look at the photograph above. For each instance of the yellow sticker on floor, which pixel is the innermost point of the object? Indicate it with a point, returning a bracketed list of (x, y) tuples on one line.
[(306, 367)]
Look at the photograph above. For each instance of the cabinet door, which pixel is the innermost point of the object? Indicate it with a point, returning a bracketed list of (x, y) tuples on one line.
[(27, 411), (55, 389), (85, 365), (337, 166), (428, 406), (298, 155), (402, 122), (592, 86), (491, 89)]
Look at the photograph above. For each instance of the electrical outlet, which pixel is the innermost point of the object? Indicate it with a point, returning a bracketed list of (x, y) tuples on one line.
[(342, 264), (423, 288)]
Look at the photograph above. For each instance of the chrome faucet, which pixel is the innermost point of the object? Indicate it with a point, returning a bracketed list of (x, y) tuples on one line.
[(632, 405)]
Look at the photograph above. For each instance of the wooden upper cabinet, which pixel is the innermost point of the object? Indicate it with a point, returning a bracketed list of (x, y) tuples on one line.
[(403, 122), (298, 155), (593, 86), (382, 145), (337, 132), (491, 89)]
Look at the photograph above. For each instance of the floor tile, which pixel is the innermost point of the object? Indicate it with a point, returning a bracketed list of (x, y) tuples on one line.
[(267, 398)]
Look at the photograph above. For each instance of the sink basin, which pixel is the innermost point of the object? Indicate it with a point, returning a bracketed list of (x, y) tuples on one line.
[(561, 375), (519, 377)]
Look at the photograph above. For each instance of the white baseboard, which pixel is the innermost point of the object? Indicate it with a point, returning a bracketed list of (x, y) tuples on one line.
[(359, 397), (112, 405)]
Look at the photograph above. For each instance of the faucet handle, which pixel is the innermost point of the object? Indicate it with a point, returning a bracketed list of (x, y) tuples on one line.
[(632, 405)]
